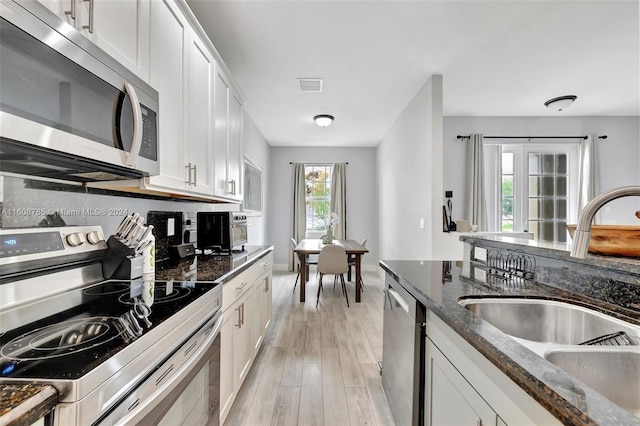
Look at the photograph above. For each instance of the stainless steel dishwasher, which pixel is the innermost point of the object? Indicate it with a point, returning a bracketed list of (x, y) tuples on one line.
[(403, 354)]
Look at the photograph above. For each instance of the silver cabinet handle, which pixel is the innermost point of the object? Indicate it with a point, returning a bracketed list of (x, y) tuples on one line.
[(188, 170), (136, 143), (90, 26), (242, 286), (72, 12), (195, 175), (242, 306), (239, 324), (266, 285)]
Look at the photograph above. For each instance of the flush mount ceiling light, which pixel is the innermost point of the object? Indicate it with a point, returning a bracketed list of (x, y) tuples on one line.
[(323, 120), (561, 102)]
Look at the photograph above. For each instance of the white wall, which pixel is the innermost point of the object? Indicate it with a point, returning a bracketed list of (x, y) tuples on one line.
[(362, 215), (255, 146), (619, 153), (410, 187)]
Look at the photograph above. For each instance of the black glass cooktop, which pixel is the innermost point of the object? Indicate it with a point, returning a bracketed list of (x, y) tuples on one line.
[(70, 334)]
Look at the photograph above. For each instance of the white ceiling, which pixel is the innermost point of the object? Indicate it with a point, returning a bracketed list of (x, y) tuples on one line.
[(497, 58)]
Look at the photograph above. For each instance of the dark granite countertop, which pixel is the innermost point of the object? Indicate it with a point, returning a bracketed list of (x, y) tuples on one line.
[(431, 284), (23, 404), (210, 267)]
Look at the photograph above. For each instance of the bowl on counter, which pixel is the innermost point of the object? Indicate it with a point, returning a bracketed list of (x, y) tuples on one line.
[(613, 240)]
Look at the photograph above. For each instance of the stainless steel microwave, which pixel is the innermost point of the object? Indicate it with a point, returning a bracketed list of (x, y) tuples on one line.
[(67, 109)]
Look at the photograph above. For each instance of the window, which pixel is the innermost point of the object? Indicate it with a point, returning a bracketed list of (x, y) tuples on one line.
[(318, 182), (536, 189)]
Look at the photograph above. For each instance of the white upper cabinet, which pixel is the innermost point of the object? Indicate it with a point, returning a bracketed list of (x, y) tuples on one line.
[(227, 138), (221, 133), (169, 35), (199, 139), (182, 70), (120, 28), (234, 151)]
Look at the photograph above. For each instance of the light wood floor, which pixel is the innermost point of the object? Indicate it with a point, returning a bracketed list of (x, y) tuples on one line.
[(318, 366)]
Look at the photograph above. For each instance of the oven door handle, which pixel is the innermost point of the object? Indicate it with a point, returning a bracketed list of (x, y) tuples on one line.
[(136, 415)]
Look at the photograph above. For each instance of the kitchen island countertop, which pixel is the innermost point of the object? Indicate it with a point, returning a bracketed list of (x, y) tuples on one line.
[(23, 404), (438, 285)]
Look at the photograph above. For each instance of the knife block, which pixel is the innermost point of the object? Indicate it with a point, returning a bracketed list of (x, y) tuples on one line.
[(120, 261)]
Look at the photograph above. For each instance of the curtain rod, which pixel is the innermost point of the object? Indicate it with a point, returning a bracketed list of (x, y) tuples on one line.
[(532, 137), (320, 164)]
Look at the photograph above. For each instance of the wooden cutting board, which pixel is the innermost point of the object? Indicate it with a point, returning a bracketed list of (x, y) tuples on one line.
[(613, 240)]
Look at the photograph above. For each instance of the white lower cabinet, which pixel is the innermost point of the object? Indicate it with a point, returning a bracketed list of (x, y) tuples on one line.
[(452, 400), (262, 296), (246, 301), (463, 387)]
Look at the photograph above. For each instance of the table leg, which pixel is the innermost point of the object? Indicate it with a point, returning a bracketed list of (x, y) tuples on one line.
[(303, 275), (358, 278)]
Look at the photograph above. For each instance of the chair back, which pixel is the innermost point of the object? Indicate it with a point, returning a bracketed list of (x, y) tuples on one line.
[(293, 243), (332, 260), (364, 243)]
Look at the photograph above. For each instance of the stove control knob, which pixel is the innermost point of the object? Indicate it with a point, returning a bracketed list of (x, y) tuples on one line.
[(75, 239), (94, 237)]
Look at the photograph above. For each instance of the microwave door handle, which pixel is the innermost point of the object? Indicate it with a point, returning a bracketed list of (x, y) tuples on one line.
[(137, 125)]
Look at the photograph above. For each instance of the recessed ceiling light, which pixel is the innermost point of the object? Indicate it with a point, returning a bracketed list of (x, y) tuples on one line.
[(323, 120), (560, 102)]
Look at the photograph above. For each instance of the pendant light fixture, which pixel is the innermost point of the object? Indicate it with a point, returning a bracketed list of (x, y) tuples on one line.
[(561, 102), (323, 120)]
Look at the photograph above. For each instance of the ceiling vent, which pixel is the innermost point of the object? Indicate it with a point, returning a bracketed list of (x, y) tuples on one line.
[(310, 84)]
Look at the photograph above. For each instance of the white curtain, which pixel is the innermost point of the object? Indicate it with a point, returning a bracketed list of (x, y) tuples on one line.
[(589, 177), (299, 213), (476, 199), (339, 199)]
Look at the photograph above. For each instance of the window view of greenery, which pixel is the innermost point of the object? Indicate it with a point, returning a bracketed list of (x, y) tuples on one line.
[(318, 182), (507, 192)]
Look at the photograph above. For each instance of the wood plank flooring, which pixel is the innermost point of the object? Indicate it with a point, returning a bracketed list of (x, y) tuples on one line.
[(317, 367)]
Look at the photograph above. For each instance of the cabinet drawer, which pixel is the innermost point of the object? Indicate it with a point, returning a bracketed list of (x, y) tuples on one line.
[(238, 286), (264, 265)]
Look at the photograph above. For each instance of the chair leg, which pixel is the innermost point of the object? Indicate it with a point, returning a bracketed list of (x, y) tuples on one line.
[(319, 288), (344, 288)]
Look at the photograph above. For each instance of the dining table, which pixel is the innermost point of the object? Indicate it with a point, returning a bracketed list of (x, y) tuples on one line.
[(312, 246)]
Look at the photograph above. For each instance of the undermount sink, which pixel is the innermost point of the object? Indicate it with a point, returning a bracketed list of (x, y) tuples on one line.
[(554, 330), (547, 321), (612, 372)]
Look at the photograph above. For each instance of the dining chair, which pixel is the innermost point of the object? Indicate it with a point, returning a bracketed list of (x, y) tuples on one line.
[(352, 262), (332, 261), (311, 260)]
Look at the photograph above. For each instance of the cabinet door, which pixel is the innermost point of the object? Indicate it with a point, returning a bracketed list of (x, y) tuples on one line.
[(199, 112), (65, 9), (169, 38), (450, 399), (227, 393), (234, 147), (242, 339), (221, 133), (120, 28), (262, 294)]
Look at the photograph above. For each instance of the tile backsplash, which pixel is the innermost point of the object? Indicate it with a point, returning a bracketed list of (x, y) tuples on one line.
[(28, 202)]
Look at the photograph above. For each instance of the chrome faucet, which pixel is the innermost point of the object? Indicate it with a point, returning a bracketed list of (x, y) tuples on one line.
[(583, 231)]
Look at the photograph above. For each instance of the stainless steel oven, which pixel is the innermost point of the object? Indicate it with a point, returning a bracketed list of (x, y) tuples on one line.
[(222, 231), (116, 351), (68, 110)]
